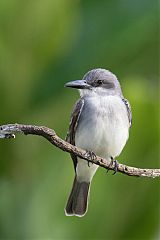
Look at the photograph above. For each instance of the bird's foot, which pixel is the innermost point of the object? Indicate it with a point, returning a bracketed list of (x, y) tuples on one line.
[(115, 163), (91, 155)]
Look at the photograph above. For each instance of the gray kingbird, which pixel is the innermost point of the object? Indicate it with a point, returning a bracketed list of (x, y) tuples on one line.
[(100, 123)]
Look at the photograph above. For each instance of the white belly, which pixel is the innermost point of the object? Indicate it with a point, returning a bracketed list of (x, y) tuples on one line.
[(103, 128)]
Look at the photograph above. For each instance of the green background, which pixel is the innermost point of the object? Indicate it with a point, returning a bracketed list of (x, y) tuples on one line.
[(43, 44)]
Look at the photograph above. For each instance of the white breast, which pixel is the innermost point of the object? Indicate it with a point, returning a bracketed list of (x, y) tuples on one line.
[(103, 126)]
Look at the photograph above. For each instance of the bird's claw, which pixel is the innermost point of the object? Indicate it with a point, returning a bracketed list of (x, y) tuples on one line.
[(91, 155), (115, 163)]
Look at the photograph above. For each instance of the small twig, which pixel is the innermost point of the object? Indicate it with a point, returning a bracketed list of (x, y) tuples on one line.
[(9, 131)]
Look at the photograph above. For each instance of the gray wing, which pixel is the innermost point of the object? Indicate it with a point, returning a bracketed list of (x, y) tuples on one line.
[(73, 126), (129, 112)]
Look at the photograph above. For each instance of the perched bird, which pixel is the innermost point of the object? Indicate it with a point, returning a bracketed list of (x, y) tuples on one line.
[(100, 123)]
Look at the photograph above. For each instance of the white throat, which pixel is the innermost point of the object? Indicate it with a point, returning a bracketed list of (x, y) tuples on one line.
[(99, 92)]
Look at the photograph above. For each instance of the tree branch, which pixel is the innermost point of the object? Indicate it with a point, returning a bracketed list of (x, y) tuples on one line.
[(9, 131)]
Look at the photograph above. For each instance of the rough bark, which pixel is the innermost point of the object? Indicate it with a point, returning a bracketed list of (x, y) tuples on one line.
[(9, 131)]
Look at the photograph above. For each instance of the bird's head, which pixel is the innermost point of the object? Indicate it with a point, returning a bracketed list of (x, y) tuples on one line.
[(97, 81)]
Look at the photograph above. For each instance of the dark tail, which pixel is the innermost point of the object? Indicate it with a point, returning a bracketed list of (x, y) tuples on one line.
[(78, 199)]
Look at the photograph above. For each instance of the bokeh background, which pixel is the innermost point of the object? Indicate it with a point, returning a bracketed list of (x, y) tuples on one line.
[(44, 44)]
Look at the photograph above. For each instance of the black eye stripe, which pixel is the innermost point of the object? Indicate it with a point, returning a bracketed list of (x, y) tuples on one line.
[(99, 81)]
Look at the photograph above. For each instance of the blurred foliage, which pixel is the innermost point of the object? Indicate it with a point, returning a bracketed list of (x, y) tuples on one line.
[(44, 44)]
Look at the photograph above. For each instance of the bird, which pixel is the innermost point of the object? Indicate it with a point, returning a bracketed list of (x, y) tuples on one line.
[(100, 123)]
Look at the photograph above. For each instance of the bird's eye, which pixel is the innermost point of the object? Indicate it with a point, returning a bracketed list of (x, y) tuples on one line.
[(99, 82)]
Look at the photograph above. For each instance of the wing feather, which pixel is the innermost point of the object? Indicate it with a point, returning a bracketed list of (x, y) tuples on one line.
[(129, 111), (73, 126)]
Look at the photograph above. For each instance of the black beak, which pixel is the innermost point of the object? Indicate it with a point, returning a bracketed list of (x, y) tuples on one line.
[(79, 84)]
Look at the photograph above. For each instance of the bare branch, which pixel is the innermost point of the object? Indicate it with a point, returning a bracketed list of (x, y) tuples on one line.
[(9, 131)]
